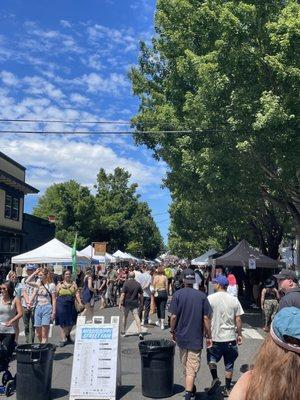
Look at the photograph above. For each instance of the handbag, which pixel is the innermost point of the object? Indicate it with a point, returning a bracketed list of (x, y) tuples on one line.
[(79, 307)]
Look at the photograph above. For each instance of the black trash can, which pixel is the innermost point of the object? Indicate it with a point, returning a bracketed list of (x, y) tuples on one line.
[(157, 357), (34, 371)]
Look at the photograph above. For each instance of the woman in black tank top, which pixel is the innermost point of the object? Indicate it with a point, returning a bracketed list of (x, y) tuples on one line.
[(269, 302)]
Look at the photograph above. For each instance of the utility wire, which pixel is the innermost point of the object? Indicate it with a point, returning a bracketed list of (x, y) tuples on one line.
[(46, 121), (92, 132)]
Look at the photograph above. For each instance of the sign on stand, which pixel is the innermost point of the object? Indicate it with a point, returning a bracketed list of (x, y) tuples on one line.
[(96, 370)]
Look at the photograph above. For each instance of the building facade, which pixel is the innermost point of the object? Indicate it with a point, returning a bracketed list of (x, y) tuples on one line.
[(13, 188)]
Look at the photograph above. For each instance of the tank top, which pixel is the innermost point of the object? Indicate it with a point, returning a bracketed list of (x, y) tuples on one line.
[(270, 294), (160, 284), (66, 291), (7, 312)]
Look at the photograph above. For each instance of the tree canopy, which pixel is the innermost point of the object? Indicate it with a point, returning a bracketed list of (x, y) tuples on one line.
[(115, 214), (226, 74)]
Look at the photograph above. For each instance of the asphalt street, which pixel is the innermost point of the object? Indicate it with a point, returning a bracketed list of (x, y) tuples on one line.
[(131, 365)]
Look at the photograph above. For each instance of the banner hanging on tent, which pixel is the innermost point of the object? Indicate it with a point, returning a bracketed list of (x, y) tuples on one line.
[(252, 263), (99, 248)]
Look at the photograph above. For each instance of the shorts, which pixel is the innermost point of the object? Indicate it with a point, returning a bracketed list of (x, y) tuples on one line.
[(42, 315), (190, 361), (134, 311), (227, 350)]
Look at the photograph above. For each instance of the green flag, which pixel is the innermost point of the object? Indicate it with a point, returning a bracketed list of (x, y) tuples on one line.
[(74, 257)]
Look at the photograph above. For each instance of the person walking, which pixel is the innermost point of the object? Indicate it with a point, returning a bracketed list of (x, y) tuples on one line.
[(145, 280), (160, 286), (226, 333), (112, 280), (88, 293), (275, 374), (288, 285), (131, 299), (269, 302), (190, 317), (16, 284), (46, 302), (10, 314), (232, 285), (28, 301), (66, 314)]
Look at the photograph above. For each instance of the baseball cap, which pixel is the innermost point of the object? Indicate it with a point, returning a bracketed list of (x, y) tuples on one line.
[(286, 323), (286, 274), (30, 267), (188, 276), (221, 280)]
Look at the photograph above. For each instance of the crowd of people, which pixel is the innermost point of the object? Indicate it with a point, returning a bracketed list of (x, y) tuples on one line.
[(200, 304)]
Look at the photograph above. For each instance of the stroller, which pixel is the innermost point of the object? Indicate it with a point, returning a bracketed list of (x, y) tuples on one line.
[(8, 381)]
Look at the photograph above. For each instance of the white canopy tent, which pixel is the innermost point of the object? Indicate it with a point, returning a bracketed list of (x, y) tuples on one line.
[(204, 258), (120, 255), (53, 252), (89, 252)]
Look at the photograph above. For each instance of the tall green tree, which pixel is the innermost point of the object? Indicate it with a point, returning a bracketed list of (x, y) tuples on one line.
[(227, 74), (73, 206), (121, 218)]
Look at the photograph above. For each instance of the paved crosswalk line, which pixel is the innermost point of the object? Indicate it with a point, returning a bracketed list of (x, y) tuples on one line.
[(252, 333)]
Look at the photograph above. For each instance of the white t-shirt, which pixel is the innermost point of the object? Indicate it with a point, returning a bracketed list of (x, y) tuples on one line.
[(225, 308), (198, 281), (145, 280), (233, 290)]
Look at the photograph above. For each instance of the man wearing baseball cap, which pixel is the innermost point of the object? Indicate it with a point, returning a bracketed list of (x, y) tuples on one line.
[(287, 284), (190, 316), (226, 333)]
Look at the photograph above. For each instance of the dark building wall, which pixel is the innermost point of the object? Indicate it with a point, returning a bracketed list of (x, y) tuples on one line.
[(36, 232)]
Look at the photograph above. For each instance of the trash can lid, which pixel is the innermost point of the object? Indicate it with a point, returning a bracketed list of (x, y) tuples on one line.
[(28, 348), (156, 344)]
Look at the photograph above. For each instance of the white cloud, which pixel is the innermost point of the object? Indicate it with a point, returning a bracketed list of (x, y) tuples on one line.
[(113, 83), (79, 99), (65, 24), (57, 159), (8, 78)]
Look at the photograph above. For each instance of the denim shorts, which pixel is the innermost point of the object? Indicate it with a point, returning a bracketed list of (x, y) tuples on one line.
[(42, 315), (227, 350)]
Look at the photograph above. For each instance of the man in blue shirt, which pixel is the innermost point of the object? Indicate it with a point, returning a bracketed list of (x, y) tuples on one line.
[(190, 316)]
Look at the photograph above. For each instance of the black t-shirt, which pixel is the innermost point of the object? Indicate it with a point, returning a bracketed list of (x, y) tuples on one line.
[(290, 299), (190, 306), (132, 289)]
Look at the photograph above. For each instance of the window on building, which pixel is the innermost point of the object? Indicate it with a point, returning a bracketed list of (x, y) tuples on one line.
[(14, 245), (9, 245), (12, 207)]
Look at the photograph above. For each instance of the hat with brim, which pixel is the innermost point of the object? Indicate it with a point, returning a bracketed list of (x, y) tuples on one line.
[(285, 326), (188, 276), (269, 283), (221, 280), (286, 274), (30, 267)]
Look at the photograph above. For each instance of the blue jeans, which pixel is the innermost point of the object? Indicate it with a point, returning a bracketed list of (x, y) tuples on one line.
[(42, 315), (227, 350)]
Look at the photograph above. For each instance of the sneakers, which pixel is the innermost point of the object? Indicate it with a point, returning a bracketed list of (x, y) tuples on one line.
[(214, 386), (157, 323), (141, 337), (226, 392), (162, 326), (190, 395), (142, 323)]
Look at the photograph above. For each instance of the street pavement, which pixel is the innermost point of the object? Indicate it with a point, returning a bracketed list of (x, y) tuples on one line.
[(131, 365)]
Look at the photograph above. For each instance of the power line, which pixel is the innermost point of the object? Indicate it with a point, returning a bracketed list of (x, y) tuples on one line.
[(163, 213), (93, 132), (46, 121)]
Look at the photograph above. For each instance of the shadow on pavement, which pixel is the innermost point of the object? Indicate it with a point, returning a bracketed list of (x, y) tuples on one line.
[(254, 318), (123, 390), (62, 356), (58, 393), (177, 389)]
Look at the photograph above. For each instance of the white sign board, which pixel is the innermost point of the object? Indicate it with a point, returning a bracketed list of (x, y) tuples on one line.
[(96, 362), (252, 263)]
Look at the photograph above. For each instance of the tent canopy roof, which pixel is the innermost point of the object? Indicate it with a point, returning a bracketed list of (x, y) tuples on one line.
[(204, 258), (49, 253), (240, 254), (89, 252)]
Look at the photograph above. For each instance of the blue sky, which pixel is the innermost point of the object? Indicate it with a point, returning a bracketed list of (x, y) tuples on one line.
[(69, 60)]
